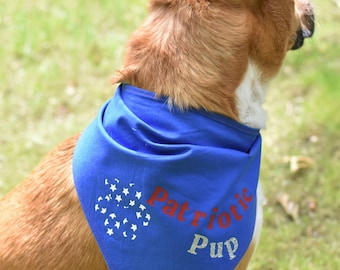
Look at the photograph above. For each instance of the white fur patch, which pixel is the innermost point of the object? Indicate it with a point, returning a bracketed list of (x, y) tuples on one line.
[(250, 98)]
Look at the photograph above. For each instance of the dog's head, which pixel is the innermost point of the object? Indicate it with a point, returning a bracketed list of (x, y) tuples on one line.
[(197, 52), (277, 26), (305, 15)]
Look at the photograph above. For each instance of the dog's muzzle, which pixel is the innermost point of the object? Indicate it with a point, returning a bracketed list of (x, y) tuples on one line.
[(307, 18)]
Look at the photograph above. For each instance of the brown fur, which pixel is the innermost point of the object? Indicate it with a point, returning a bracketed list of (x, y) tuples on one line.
[(196, 53), (203, 55), (42, 225)]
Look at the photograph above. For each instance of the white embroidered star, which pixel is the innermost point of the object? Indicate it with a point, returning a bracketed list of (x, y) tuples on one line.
[(109, 232), (133, 237), (113, 216), (108, 197), (138, 195), (103, 211), (119, 198), (106, 222), (138, 215), (106, 181), (96, 207), (132, 203), (125, 234), (100, 199), (142, 207), (125, 221), (117, 224), (148, 217), (113, 188), (126, 191), (134, 227)]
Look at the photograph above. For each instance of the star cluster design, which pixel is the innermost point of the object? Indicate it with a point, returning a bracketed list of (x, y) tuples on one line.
[(121, 209)]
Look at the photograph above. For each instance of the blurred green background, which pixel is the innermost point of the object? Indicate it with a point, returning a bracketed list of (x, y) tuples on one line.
[(57, 58)]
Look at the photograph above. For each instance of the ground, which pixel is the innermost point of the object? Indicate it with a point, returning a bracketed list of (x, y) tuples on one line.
[(57, 58)]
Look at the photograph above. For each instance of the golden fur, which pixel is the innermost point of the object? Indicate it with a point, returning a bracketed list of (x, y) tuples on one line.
[(42, 225), (195, 52), (201, 56)]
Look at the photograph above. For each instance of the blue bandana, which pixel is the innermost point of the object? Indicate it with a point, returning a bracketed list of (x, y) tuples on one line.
[(167, 189)]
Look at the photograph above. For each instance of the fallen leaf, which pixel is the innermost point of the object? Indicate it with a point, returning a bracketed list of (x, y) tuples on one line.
[(290, 207), (298, 163)]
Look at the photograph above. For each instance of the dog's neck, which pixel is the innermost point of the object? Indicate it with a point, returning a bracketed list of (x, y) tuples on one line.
[(208, 68), (244, 106), (215, 55), (250, 97)]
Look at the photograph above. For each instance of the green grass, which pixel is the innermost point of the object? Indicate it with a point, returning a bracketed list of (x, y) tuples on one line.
[(305, 120), (57, 58)]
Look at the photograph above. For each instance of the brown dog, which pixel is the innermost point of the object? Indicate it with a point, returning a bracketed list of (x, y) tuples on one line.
[(215, 55)]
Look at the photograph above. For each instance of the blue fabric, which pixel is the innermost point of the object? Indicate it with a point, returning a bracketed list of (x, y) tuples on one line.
[(167, 189)]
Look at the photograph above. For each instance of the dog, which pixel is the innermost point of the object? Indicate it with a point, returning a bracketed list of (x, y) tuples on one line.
[(166, 177)]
